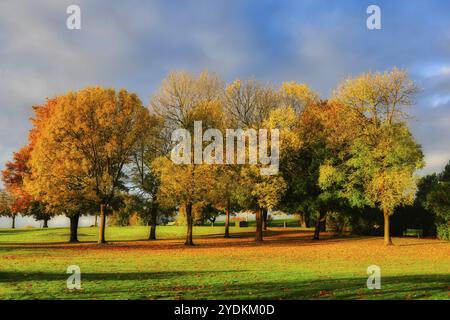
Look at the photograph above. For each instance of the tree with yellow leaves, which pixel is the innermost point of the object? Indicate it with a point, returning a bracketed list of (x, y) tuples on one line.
[(6, 204), (88, 140), (297, 96), (182, 100), (381, 159), (258, 193), (183, 186), (224, 192)]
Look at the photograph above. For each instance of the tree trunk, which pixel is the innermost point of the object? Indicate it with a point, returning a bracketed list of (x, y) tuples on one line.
[(341, 228), (319, 225), (302, 221), (306, 218), (74, 228), (13, 222), (317, 230), (387, 235), (189, 241), (264, 216), (153, 220), (152, 235), (323, 224), (227, 220), (45, 223), (95, 221), (259, 225), (101, 231)]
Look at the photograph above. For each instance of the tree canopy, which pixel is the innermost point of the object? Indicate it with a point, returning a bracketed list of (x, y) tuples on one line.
[(98, 149)]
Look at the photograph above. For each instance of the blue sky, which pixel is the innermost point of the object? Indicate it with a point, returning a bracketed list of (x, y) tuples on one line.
[(134, 44)]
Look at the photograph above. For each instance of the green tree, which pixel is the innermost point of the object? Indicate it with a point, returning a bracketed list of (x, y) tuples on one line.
[(381, 160), (39, 211), (6, 202), (438, 201), (258, 193), (144, 181), (223, 194)]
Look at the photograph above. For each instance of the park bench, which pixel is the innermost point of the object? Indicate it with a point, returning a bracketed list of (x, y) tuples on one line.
[(413, 232)]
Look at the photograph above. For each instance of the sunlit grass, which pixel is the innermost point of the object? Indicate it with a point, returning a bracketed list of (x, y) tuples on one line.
[(288, 265)]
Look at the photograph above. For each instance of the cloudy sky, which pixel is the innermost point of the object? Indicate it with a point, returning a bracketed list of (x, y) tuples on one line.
[(134, 44)]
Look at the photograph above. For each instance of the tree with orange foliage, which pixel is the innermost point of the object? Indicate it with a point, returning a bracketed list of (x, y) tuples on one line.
[(12, 177), (17, 170), (80, 154)]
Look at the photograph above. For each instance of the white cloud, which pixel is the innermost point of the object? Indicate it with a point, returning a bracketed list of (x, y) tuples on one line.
[(133, 44), (436, 161), (435, 70)]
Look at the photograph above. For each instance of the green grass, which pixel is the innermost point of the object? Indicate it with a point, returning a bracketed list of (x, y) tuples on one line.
[(288, 265), (56, 235)]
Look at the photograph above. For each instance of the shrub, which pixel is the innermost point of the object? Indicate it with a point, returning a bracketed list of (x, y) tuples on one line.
[(337, 222), (368, 222), (123, 219), (443, 231)]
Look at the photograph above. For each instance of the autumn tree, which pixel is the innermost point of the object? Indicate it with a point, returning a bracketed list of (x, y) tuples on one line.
[(303, 150), (13, 177), (223, 193), (18, 170), (6, 203), (183, 186), (88, 139), (145, 183), (180, 93), (259, 192), (297, 96), (182, 101), (383, 157), (248, 103), (47, 189)]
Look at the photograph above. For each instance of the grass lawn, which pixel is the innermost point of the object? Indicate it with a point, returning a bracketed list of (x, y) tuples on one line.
[(287, 265)]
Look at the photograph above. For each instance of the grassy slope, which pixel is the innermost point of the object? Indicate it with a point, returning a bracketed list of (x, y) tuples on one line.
[(287, 265)]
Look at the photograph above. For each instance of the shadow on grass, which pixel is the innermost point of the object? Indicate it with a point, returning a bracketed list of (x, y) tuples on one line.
[(393, 287), (180, 285), (13, 276), (21, 230)]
